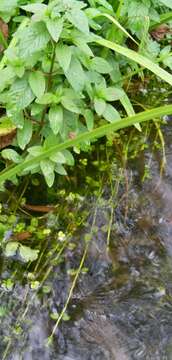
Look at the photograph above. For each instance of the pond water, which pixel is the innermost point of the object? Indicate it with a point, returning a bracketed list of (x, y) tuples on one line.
[(121, 304)]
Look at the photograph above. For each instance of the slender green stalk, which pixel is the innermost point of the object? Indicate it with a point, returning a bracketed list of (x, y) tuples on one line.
[(97, 133)]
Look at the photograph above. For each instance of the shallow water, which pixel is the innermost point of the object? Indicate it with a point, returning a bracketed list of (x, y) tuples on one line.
[(121, 307)]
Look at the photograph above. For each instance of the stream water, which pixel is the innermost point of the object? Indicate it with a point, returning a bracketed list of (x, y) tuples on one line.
[(121, 306)]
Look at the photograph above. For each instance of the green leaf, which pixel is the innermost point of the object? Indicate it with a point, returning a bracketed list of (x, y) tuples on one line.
[(11, 248), (47, 98), (89, 117), (100, 65), (75, 74), (16, 117), (69, 157), (7, 75), (70, 104), (56, 118), (21, 94), (11, 155), (58, 158), (35, 150), (167, 3), (55, 28), (99, 105), (59, 169), (37, 83), (24, 135), (47, 167), (33, 39), (111, 114), (34, 8), (113, 94), (7, 9), (64, 54), (79, 20), (36, 109), (27, 253)]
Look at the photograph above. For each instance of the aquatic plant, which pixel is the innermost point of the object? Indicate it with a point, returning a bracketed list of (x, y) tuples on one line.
[(62, 76)]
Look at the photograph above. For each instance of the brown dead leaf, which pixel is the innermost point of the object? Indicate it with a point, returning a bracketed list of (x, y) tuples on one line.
[(160, 32), (22, 236), (39, 208), (6, 140), (4, 29)]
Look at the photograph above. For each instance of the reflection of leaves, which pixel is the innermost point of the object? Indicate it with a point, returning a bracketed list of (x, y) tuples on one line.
[(27, 253)]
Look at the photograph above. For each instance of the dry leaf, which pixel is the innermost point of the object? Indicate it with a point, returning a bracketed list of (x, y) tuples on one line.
[(160, 32), (4, 30)]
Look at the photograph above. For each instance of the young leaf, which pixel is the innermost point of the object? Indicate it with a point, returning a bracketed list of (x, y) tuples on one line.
[(11, 155), (27, 253), (79, 20), (55, 27), (24, 135), (47, 167), (99, 105), (56, 118), (37, 83), (64, 54), (111, 114), (100, 65)]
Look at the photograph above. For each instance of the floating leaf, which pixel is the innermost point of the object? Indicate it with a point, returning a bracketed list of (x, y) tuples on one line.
[(11, 248), (27, 253)]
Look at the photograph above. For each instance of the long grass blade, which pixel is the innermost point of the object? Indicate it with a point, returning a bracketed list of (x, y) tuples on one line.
[(117, 24), (96, 133), (133, 55)]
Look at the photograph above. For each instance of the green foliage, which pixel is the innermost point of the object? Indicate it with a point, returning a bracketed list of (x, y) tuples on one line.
[(62, 74)]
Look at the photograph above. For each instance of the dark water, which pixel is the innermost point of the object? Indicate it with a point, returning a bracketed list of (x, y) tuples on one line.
[(121, 308)]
